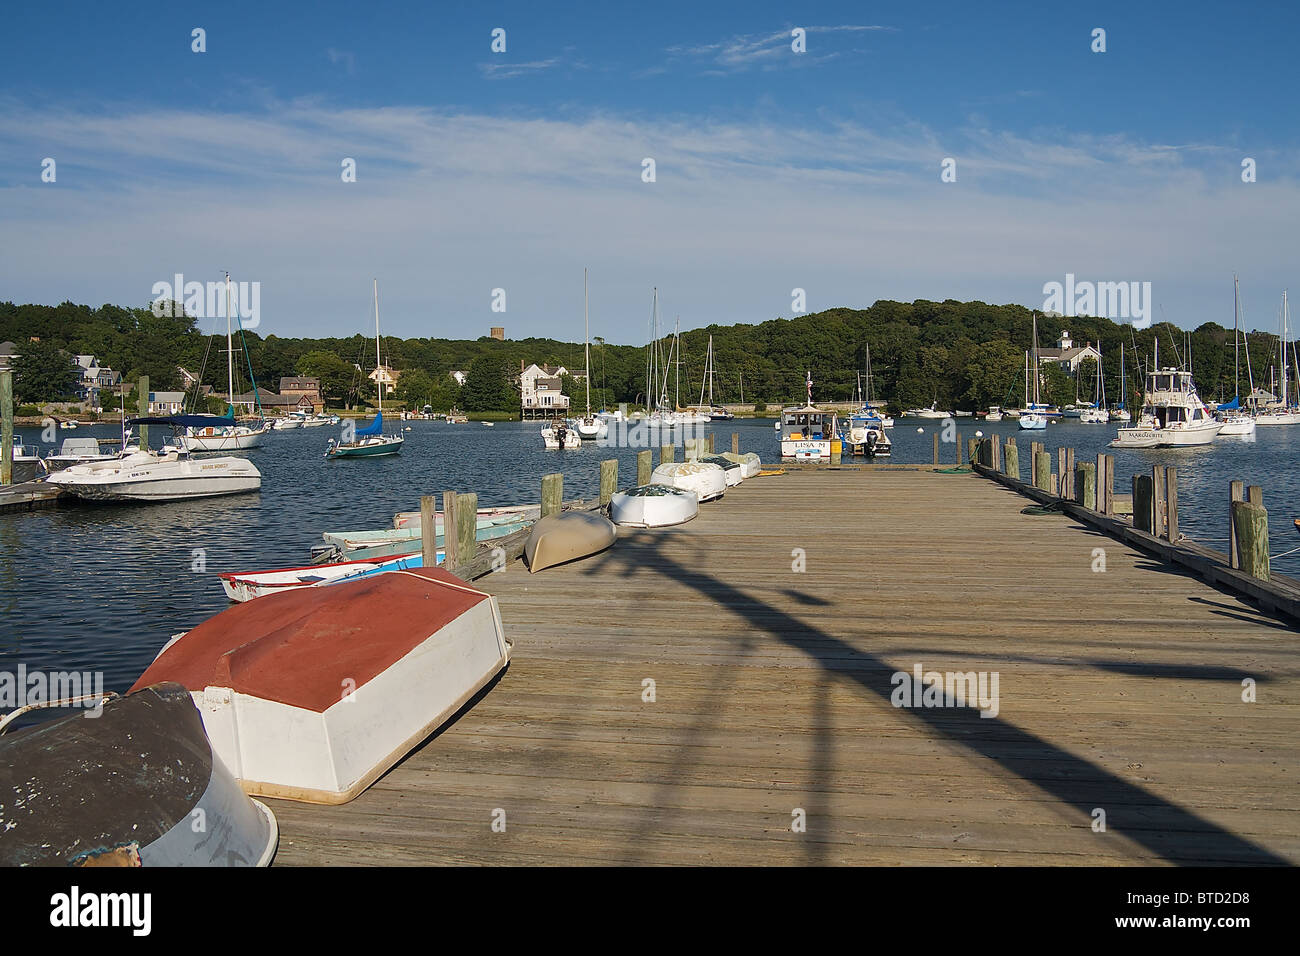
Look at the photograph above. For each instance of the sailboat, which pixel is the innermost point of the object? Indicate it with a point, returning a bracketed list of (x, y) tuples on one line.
[(223, 435), (716, 413), (1282, 412), (1235, 420), (370, 442), (1120, 412), (589, 427), (1034, 415), (696, 414), (1095, 413), (864, 430)]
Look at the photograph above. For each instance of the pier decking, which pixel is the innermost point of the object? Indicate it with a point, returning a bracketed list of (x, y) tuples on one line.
[(1119, 691)]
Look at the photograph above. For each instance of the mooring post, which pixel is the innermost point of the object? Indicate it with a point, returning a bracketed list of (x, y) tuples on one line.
[(1250, 522), (1143, 504), (644, 466), (936, 447), (450, 540), (1171, 504), (1106, 484), (428, 530), (7, 427), (667, 453), (552, 494), (690, 449), (1158, 500), (971, 445), (1061, 470), (1013, 460), (997, 453), (709, 441), (1255, 495), (142, 408), (1085, 484), (1043, 469), (735, 443), (608, 480), (1069, 470), (466, 527), (1236, 492)]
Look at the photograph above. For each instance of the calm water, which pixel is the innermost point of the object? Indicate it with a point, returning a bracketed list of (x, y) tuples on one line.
[(103, 587)]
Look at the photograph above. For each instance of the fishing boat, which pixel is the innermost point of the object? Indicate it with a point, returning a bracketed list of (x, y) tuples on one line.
[(708, 481), (1284, 411), (808, 432), (128, 788), (750, 464), (732, 472), (245, 585), (589, 427), (653, 506), (167, 475), (558, 436), (1033, 417), (312, 695), (229, 436), (370, 442), (1236, 421), (567, 536), (1173, 414)]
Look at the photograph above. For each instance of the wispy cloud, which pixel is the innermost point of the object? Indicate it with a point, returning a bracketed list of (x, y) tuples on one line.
[(343, 58), (765, 50), (504, 70)]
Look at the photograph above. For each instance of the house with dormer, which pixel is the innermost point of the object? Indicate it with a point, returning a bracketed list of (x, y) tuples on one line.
[(1068, 354), (540, 390)]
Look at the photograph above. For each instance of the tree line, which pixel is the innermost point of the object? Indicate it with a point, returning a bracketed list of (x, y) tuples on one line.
[(958, 355)]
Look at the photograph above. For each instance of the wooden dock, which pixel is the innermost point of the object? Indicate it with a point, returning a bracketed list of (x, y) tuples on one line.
[(28, 496), (1119, 690)]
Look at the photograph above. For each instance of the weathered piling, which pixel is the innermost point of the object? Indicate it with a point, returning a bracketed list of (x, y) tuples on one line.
[(936, 448), (1068, 470), (1065, 483), (466, 530), (709, 442), (1143, 504), (608, 480), (7, 429), (735, 443), (428, 532), (1013, 460), (1043, 470), (1236, 492), (667, 453), (1158, 501), (1085, 484), (1171, 504), (142, 408), (997, 454), (552, 493), (644, 466), (1106, 484), (1250, 525), (450, 541), (691, 448)]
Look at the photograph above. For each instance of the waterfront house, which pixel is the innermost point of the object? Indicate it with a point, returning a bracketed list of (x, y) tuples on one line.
[(303, 386), (1067, 354), (540, 390), (166, 403)]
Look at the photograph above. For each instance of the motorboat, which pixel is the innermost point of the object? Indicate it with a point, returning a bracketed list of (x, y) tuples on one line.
[(139, 785), (291, 421), (567, 536), (312, 695), (80, 451), (27, 465), (810, 433), (707, 480), (167, 475), (864, 434), (369, 442), (1173, 414), (994, 414), (653, 506), (558, 436)]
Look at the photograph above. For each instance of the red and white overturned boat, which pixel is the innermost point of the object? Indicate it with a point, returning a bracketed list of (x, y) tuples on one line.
[(312, 695)]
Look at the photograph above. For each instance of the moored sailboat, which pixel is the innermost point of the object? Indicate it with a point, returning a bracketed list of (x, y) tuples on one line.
[(370, 442)]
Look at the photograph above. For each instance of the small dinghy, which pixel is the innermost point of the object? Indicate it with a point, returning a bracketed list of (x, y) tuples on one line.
[(706, 479), (487, 517), (138, 785), (246, 585), (653, 506), (312, 695), (389, 542), (567, 536), (750, 464), (731, 470)]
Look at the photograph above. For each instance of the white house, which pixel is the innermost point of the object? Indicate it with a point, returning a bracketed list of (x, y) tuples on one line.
[(94, 378), (540, 391), (166, 403), (1067, 354)]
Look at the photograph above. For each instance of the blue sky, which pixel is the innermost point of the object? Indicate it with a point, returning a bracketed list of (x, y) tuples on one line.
[(774, 170)]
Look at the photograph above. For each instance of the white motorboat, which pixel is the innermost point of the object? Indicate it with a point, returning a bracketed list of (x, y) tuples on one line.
[(168, 475), (27, 465), (558, 436), (1173, 414), (292, 421), (864, 434), (653, 506), (1236, 426), (313, 694), (994, 414), (707, 481), (931, 412), (80, 451)]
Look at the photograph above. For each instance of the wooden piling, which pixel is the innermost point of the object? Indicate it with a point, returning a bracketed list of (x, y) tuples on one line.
[(450, 540), (1158, 500), (1143, 504), (971, 445), (1171, 504), (1069, 470), (709, 443), (691, 448), (142, 408), (735, 443), (1250, 524), (1255, 495), (956, 446), (667, 453), (552, 493), (936, 448), (1043, 471), (608, 480), (1085, 484), (644, 466), (1236, 492), (1013, 460), (428, 532), (997, 454), (466, 528), (7, 428), (1061, 470), (1053, 482)]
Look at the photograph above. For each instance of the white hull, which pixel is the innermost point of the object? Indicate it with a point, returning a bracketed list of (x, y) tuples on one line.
[(589, 429), (284, 424), (552, 441), (649, 507), (145, 476), (1120, 415), (1032, 422), (1093, 416), (706, 480), (806, 449), (235, 439), (1237, 426), (1278, 418), (1174, 437)]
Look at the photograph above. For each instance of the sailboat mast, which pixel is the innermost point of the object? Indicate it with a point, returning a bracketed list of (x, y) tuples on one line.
[(1236, 339), (1281, 347), (586, 323), (379, 376), (230, 353)]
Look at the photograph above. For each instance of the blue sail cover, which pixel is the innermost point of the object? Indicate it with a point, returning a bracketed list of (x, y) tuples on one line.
[(1231, 406), (374, 428)]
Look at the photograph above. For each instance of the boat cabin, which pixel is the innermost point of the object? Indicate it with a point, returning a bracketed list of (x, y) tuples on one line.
[(808, 423)]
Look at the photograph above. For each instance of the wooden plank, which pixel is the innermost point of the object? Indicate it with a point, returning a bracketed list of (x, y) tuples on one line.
[(644, 467), (1236, 492), (466, 530), (1171, 504)]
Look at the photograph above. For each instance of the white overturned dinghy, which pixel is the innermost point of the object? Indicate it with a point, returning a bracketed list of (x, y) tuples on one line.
[(750, 464), (707, 480), (731, 470), (653, 506), (313, 694)]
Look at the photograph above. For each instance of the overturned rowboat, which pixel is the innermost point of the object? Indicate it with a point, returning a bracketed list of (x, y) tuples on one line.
[(567, 536), (312, 695), (486, 517), (706, 479), (731, 470), (750, 463), (653, 506), (138, 784), (389, 542), (243, 586)]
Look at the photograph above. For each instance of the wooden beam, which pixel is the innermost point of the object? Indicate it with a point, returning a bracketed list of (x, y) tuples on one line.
[(608, 480), (428, 532), (1171, 504), (1236, 492), (1250, 523), (644, 466), (552, 493)]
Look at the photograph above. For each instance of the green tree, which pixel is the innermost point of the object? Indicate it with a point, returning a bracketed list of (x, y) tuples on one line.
[(995, 372), (488, 387), (336, 376), (44, 372)]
